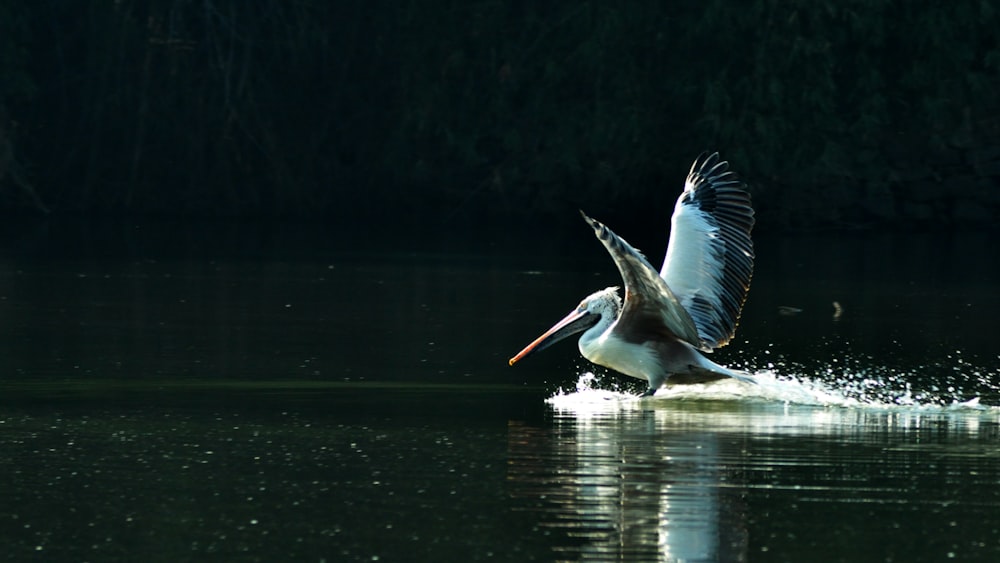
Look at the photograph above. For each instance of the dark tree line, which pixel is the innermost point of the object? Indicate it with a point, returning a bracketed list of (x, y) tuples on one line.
[(842, 114)]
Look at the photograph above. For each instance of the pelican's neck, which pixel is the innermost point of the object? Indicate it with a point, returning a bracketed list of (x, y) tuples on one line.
[(608, 305)]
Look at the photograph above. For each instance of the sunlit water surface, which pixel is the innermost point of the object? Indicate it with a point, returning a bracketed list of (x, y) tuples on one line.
[(716, 475), (263, 399)]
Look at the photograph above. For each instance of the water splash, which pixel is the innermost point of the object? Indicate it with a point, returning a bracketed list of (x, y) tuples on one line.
[(853, 380), (950, 384), (591, 388)]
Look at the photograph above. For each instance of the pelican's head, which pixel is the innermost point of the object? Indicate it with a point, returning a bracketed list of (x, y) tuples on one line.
[(602, 305)]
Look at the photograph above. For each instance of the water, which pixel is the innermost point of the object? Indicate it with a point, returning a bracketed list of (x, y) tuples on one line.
[(184, 395), (738, 480)]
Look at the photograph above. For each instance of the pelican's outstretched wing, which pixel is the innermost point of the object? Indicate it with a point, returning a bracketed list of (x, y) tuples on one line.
[(709, 259), (650, 307)]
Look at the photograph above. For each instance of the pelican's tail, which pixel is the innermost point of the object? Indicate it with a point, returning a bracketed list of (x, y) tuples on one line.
[(709, 367), (741, 376)]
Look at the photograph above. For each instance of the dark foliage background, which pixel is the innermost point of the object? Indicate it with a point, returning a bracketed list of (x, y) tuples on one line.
[(842, 114)]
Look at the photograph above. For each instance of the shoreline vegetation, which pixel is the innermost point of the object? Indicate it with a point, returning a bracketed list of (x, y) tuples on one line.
[(880, 115)]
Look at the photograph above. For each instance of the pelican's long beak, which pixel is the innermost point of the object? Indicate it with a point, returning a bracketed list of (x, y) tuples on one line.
[(577, 321)]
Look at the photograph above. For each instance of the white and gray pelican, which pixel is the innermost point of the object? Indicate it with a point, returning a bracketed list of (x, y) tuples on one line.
[(693, 303)]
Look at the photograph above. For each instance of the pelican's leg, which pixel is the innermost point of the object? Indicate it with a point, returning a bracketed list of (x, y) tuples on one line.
[(654, 383)]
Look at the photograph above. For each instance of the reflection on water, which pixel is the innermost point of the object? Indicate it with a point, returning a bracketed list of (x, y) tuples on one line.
[(624, 491), (677, 480)]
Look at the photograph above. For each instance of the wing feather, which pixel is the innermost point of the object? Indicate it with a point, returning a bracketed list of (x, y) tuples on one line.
[(650, 307), (709, 261)]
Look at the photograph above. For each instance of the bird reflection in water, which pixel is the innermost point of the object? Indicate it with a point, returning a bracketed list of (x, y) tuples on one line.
[(617, 486)]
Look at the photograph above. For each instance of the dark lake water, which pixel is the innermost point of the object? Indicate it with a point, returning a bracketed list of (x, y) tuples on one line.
[(294, 394)]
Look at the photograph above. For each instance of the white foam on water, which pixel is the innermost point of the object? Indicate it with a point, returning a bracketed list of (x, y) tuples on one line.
[(849, 383)]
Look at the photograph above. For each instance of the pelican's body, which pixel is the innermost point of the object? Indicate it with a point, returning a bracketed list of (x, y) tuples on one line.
[(692, 304)]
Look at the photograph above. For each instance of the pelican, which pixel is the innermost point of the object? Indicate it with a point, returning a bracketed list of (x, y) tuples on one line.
[(691, 305)]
